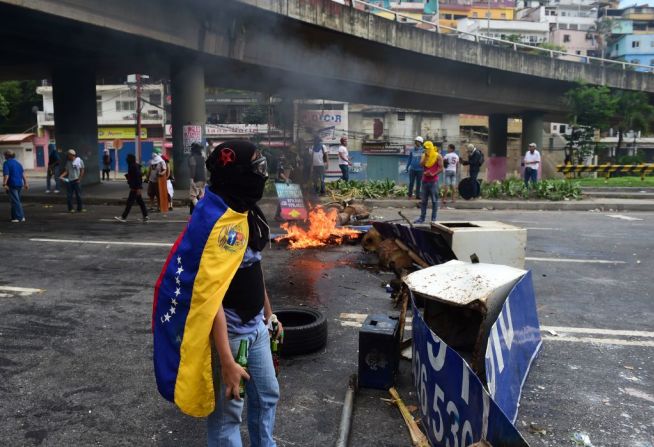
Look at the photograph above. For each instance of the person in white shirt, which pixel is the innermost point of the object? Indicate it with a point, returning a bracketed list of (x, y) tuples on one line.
[(319, 160), (451, 162), (532, 163), (344, 160)]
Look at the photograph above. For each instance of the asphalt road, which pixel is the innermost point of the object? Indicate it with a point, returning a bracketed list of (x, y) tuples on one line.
[(75, 358)]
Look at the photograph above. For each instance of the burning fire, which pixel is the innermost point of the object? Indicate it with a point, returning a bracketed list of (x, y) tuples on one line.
[(322, 230)]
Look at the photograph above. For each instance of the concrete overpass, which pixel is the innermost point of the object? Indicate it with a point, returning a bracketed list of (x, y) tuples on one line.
[(297, 48)]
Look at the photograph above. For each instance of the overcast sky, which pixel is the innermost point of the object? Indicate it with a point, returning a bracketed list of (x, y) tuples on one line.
[(624, 3)]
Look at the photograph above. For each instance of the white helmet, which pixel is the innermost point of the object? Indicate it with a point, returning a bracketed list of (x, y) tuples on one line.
[(419, 139)]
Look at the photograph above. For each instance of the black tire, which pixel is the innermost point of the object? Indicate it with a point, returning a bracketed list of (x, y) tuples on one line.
[(469, 188), (305, 330)]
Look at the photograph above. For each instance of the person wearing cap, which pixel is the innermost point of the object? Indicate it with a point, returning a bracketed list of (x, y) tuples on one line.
[(13, 181), (474, 161), (72, 175), (344, 162), (414, 168), (432, 163), (156, 169), (532, 163)]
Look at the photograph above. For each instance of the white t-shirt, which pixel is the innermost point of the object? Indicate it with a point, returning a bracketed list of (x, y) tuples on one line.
[(532, 157), (452, 161), (342, 152), (317, 156)]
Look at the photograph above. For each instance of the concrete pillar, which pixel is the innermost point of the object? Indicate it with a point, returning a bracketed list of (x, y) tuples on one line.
[(497, 146), (188, 108), (532, 132), (76, 121)]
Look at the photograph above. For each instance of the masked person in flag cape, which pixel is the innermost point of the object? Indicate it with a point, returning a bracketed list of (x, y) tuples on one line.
[(211, 295)]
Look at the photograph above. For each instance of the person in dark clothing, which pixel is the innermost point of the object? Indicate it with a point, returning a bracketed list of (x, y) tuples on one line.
[(135, 182), (474, 161), (106, 164), (198, 175), (54, 169)]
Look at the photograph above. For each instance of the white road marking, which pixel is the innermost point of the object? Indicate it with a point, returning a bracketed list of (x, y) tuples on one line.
[(356, 324), (579, 261), (602, 341), (637, 393), (542, 229), (80, 241), (149, 221), (587, 330), (623, 217), (22, 290)]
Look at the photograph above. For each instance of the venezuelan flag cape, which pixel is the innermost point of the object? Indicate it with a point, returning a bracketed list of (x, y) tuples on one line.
[(187, 296)]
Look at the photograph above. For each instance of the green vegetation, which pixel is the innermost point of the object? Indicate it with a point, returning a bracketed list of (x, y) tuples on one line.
[(17, 99), (373, 189), (630, 181), (543, 190)]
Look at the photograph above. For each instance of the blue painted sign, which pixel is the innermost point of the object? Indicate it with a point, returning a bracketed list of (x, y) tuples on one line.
[(513, 344), (457, 410)]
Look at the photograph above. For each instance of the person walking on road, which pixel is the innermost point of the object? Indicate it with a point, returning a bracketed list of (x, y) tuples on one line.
[(432, 164), (474, 161), (414, 168), (156, 169), (72, 175), (106, 164), (532, 163), (198, 175), (344, 162), (451, 164), (54, 168), (13, 181), (211, 297), (319, 161), (135, 181)]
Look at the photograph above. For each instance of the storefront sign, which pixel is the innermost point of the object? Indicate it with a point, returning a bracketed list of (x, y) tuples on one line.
[(330, 125), (123, 133), (457, 409), (382, 148), (291, 201), (191, 134), (221, 130)]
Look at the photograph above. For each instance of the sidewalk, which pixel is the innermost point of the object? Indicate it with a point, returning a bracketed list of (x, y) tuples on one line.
[(115, 193)]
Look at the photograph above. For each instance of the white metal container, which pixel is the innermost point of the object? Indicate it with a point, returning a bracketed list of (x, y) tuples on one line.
[(493, 242)]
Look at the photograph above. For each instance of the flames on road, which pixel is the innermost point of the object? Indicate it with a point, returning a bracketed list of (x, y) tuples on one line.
[(322, 231)]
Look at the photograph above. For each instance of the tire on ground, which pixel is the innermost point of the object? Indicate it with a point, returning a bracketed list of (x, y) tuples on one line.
[(305, 330)]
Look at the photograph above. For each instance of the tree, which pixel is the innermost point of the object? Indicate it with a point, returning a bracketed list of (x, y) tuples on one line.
[(635, 114), (603, 29), (590, 108), (256, 114), (17, 99)]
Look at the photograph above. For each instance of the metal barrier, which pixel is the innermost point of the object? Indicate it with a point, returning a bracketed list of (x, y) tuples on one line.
[(607, 169)]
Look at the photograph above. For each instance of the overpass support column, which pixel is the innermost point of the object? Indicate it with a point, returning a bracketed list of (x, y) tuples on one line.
[(497, 146), (188, 108), (532, 132), (76, 121)]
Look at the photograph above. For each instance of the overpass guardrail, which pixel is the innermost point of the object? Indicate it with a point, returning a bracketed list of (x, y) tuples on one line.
[(480, 38), (607, 169)]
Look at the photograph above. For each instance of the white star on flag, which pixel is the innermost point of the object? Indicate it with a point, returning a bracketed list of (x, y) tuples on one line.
[(179, 260), (172, 310), (177, 280), (180, 270), (177, 292), (174, 302), (167, 317)]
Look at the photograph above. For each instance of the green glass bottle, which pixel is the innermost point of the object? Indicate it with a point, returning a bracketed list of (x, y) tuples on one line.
[(242, 359), (274, 347)]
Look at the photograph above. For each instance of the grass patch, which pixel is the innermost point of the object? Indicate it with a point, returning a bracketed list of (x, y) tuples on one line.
[(543, 190), (630, 181)]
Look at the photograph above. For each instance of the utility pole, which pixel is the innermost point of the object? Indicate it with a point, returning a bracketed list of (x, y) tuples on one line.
[(138, 118)]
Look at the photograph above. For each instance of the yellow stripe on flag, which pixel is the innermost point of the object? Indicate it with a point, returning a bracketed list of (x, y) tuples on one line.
[(194, 391)]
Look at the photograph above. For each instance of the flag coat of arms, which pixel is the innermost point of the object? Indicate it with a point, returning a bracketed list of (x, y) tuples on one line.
[(188, 294)]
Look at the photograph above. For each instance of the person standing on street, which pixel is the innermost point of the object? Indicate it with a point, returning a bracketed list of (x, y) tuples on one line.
[(451, 164), (532, 163), (156, 169), (211, 298), (474, 161), (432, 164), (13, 181), (135, 182), (72, 174), (319, 161), (344, 162), (198, 175), (414, 168), (54, 168), (106, 164)]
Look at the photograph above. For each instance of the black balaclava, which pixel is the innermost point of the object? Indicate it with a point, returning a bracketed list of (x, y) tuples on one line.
[(232, 178)]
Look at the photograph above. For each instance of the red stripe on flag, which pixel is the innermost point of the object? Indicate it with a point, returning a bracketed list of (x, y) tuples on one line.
[(163, 272)]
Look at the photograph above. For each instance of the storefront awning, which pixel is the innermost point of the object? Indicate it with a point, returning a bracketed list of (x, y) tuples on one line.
[(13, 138)]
